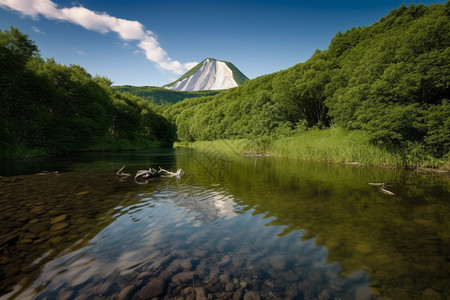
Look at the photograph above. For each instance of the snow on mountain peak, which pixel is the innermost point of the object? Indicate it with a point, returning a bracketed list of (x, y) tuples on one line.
[(210, 74)]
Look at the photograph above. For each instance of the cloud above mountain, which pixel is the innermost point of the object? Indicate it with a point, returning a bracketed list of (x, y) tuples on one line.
[(101, 22)]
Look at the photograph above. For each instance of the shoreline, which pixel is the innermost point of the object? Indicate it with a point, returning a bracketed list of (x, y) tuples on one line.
[(335, 146)]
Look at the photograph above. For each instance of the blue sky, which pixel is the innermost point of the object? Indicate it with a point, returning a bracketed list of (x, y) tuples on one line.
[(152, 42)]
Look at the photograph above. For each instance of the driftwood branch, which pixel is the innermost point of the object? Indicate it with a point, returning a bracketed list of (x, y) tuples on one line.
[(166, 173), (143, 176), (383, 189), (122, 175), (387, 192), (146, 174)]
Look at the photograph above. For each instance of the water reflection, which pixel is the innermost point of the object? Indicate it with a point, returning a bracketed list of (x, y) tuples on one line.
[(264, 227), (402, 241)]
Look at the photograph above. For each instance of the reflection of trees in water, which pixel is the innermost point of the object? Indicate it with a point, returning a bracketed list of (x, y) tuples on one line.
[(401, 240)]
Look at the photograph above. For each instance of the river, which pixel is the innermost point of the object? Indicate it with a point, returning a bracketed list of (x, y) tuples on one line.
[(232, 227)]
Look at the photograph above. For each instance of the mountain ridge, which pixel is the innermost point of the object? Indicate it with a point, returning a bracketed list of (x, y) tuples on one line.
[(209, 74)]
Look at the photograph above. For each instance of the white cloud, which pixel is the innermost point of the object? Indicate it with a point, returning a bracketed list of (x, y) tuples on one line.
[(103, 23), (190, 65), (31, 8), (37, 30), (80, 52)]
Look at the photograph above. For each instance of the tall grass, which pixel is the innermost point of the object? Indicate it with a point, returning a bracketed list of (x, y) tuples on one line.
[(334, 146), (229, 147), (330, 145)]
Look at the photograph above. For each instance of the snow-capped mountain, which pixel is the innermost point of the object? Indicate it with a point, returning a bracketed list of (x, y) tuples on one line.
[(210, 74)]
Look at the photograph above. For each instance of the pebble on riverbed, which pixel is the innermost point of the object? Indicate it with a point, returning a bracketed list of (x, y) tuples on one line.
[(177, 277)]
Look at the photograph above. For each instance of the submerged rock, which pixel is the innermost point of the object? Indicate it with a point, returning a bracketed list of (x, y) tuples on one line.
[(58, 219), (183, 277), (278, 262), (186, 264), (80, 279), (238, 294), (59, 226), (224, 261), (224, 278), (152, 289), (126, 292), (229, 287), (201, 293), (104, 288), (251, 295)]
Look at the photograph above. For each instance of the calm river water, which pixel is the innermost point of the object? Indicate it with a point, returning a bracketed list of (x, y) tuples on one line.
[(232, 228)]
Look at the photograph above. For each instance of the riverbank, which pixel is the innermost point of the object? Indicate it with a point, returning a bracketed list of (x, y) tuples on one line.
[(330, 145), (105, 144)]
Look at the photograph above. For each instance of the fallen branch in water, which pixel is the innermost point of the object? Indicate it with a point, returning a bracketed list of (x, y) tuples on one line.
[(121, 175), (143, 176), (146, 174), (166, 173), (382, 188), (387, 192)]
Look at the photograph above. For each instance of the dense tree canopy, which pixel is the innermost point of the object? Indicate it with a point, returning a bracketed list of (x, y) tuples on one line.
[(161, 96), (390, 79), (53, 108)]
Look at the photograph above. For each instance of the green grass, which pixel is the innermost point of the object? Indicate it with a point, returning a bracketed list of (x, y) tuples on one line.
[(334, 146), (326, 145), (229, 147)]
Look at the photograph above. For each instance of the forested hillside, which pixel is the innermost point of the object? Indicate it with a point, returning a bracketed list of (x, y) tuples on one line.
[(49, 108), (161, 96), (390, 79)]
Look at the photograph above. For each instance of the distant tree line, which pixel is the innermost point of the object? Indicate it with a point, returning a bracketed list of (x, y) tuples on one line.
[(161, 96), (390, 79), (51, 108)]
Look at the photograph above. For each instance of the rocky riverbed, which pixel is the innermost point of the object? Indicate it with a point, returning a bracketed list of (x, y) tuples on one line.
[(47, 216), (261, 230), (177, 273)]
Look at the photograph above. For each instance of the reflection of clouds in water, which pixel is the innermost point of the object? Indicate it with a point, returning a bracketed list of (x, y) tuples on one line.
[(120, 254), (207, 205), (225, 206), (127, 243)]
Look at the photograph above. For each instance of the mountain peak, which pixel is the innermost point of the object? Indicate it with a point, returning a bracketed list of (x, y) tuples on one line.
[(210, 74)]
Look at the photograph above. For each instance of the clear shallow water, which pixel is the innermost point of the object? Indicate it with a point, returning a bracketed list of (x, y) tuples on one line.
[(231, 227)]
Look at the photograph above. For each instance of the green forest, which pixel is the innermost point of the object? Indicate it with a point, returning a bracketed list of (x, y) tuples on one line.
[(389, 81), (161, 96), (384, 85), (49, 108)]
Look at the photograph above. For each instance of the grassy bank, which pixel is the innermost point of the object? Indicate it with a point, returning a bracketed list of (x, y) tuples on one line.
[(329, 145), (335, 146)]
